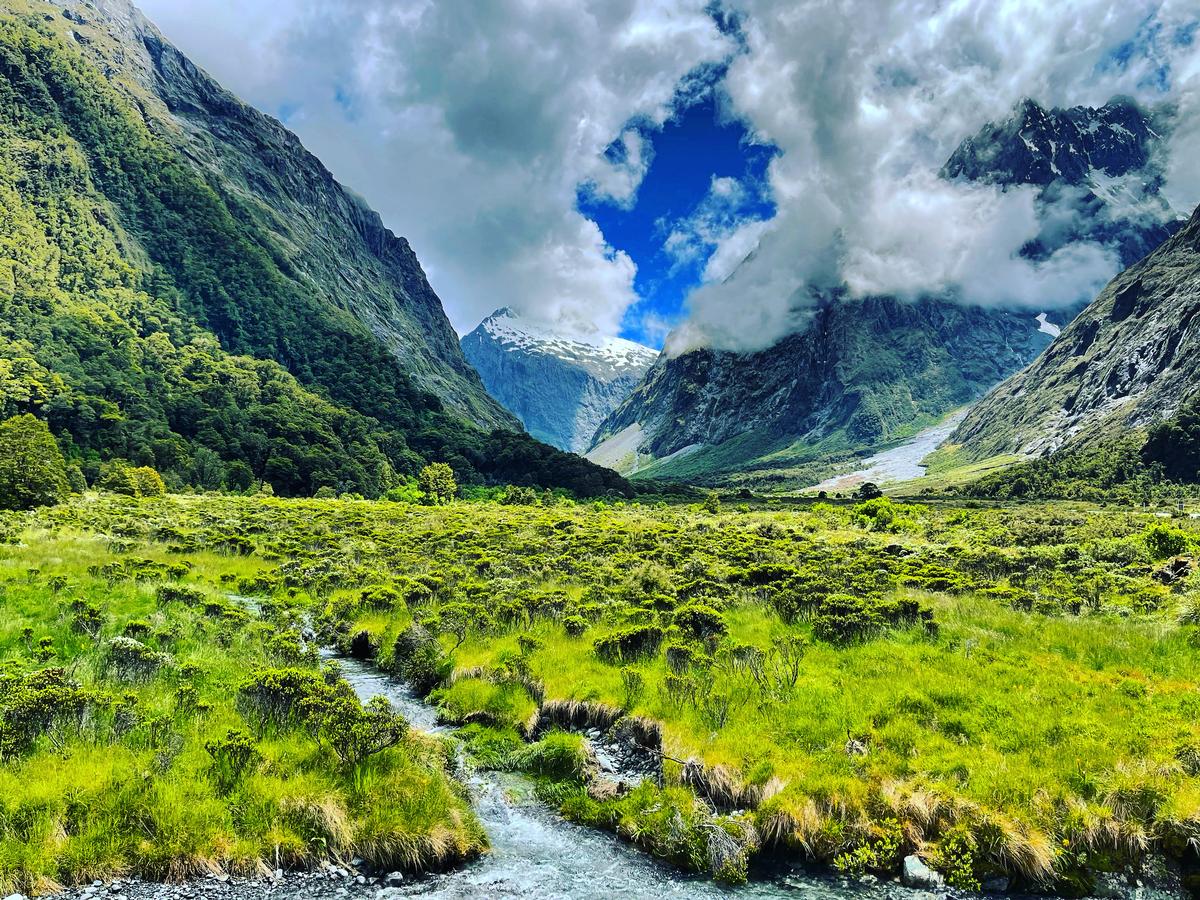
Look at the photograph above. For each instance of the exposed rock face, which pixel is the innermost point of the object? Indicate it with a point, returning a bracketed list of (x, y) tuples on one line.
[(1130, 359), (1099, 171), (560, 388), (866, 372), (327, 235)]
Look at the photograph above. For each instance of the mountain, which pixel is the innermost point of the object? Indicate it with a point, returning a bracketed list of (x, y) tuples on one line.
[(561, 388), (864, 373), (182, 285), (1099, 171), (1130, 360), (871, 372)]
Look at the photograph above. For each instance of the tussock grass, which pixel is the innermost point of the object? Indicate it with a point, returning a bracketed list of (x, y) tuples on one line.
[(1037, 717)]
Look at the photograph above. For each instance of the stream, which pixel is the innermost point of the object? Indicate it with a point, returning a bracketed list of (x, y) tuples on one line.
[(536, 853)]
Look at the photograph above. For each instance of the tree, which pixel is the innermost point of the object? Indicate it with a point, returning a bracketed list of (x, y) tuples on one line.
[(32, 470), (869, 490), (437, 483)]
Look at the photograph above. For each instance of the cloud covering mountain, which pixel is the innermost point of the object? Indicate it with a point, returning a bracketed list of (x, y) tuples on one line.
[(475, 127)]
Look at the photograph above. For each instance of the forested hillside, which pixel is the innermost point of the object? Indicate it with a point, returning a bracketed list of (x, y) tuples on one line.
[(147, 317)]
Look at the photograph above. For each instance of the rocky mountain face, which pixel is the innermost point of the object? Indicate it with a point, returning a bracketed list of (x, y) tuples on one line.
[(1129, 360), (1098, 170), (870, 372), (865, 372), (560, 388), (325, 235)]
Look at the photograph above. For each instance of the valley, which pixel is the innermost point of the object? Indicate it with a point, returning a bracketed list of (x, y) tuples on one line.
[(720, 640)]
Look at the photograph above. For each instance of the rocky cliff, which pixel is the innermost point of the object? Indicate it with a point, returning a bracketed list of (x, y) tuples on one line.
[(1130, 359), (561, 388)]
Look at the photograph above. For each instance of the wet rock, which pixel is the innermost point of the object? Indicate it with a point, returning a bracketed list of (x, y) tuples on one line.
[(1109, 886), (997, 885), (915, 874), (393, 879), (602, 789)]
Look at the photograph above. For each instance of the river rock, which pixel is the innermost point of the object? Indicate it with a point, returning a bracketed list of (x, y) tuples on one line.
[(1109, 886), (998, 885), (915, 874), (393, 879)]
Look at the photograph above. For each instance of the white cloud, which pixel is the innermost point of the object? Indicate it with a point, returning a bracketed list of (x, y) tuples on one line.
[(867, 98), (471, 126)]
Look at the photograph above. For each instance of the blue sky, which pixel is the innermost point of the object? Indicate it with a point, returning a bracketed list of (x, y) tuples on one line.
[(696, 146)]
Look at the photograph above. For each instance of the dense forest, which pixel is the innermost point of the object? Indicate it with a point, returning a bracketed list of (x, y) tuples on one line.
[(1134, 467), (145, 321)]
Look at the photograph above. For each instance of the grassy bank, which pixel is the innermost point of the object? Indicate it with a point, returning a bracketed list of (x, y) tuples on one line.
[(128, 744), (1005, 690)]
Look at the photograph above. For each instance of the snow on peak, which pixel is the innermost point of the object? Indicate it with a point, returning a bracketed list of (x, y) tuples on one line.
[(515, 333)]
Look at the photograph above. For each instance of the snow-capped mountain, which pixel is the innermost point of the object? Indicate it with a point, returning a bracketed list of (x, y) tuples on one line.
[(1098, 170), (560, 387)]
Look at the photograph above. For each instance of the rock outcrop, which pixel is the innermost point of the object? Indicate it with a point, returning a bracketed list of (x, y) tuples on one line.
[(1129, 360)]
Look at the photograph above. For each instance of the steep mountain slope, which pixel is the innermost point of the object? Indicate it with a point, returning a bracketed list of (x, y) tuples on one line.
[(148, 313), (1129, 360), (323, 237), (870, 372), (560, 388)]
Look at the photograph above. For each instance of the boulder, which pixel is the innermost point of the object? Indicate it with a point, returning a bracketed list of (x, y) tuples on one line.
[(915, 874)]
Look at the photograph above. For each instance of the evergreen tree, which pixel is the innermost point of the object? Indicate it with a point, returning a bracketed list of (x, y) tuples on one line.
[(32, 470)]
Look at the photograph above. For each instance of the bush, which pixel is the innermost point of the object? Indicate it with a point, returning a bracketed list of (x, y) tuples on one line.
[(231, 757), (32, 470), (353, 731), (132, 661), (1164, 541), (699, 621), (629, 643)]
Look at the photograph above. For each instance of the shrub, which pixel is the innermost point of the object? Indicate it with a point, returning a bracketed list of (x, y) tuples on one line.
[(1163, 541), (699, 621), (634, 642), (276, 698), (32, 470), (231, 757), (149, 482), (418, 659), (353, 731), (42, 703), (132, 661)]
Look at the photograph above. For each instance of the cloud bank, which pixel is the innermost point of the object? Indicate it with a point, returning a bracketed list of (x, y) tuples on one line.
[(866, 100), (472, 126)]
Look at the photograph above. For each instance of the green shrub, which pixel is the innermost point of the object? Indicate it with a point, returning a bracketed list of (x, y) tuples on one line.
[(634, 642), (1164, 541)]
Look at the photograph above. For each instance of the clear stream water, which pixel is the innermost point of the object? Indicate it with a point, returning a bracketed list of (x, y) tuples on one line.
[(536, 853)]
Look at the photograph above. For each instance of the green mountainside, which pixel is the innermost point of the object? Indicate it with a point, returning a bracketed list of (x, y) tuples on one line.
[(149, 312)]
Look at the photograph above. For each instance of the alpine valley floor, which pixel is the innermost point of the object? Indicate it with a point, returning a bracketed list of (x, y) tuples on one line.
[(1010, 692)]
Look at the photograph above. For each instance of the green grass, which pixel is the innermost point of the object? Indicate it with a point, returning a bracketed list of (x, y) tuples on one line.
[(1005, 689), (127, 788)]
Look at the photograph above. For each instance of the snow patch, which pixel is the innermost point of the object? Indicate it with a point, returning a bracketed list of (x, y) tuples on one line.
[(1046, 326), (514, 333)]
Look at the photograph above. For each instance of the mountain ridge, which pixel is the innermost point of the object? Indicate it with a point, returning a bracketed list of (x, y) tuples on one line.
[(560, 387), (1131, 359)]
